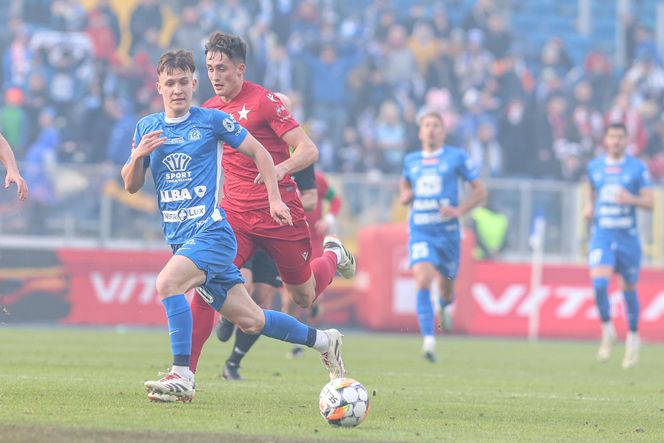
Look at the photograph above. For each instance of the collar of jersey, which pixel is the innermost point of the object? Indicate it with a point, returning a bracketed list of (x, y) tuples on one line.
[(172, 120), (615, 162), (432, 154)]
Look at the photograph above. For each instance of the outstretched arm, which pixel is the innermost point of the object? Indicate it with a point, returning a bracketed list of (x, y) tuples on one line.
[(253, 149), (133, 172), (13, 175)]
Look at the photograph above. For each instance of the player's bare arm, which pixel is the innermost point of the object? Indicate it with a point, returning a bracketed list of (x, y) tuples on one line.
[(477, 195), (265, 165), (305, 153), (405, 192), (13, 175), (645, 199), (133, 173)]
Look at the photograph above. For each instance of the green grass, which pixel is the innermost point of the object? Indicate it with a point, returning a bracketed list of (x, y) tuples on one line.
[(483, 389)]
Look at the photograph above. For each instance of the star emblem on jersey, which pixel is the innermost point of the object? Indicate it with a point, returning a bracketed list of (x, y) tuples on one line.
[(243, 112)]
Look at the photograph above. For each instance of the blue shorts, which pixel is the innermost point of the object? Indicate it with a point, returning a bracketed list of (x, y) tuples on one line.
[(621, 251), (213, 249), (443, 252)]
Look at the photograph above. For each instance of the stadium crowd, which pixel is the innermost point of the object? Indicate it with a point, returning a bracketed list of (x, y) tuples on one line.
[(358, 74)]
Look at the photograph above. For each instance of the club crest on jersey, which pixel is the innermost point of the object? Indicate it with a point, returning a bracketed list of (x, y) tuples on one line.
[(194, 134), (176, 162), (200, 190), (305, 255)]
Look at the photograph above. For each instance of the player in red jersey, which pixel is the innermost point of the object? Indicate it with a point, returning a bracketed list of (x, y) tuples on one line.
[(13, 175), (321, 220), (265, 117)]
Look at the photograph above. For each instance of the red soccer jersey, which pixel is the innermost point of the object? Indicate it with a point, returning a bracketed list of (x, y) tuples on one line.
[(266, 118)]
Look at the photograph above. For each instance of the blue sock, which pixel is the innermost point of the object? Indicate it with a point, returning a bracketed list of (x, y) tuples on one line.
[(425, 312), (179, 328), (286, 328), (632, 305), (601, 286)]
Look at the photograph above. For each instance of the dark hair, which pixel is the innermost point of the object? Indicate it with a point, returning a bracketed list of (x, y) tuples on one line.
[(616, 125), (233, 46), (179, 59)]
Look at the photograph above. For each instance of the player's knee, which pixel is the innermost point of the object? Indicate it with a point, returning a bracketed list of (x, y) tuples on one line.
[(423, 281), (166, 286), (252, 324)]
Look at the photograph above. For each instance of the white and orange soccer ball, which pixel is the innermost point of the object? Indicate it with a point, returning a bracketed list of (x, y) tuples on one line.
[(344, 402)]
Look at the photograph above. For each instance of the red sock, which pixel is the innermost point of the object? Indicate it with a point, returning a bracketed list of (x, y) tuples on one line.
[(203, 317), (324, 268)]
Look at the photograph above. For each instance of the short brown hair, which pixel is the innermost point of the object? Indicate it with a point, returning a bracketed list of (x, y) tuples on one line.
[(233, 46), (179, 59)]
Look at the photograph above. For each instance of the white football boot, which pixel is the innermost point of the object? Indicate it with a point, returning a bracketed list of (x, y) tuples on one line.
[(608, 338), (632, 347), (171, 388), (332, 357), (346, 264)]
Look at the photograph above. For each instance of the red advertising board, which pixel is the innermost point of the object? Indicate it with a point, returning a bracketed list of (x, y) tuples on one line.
[(494, 298)]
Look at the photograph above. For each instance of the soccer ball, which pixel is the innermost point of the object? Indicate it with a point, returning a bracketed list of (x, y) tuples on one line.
[(344, 402)]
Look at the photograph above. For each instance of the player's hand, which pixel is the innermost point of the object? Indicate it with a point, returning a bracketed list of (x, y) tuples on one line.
[(280, 213), (280, 172), (624, 197), (406, 196), (322, 226), (149, 142), (15, 177), (448, 211)]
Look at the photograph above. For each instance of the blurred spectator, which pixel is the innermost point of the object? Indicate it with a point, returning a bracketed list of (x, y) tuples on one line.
[(514, 130), (147, 15), (390, 138), (100, 33), (623, 111), (122, 133), (551, 128), (14, 122), (110, 19), (498, 38), (474, 65), (646, 76), (17, 57), (37, 98), (423, 45), (234, 18), (485, 151), (478, 17), (68, 16), (598, 71)]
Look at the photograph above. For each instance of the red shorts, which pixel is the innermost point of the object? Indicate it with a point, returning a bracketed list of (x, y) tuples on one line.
[(289, 246)]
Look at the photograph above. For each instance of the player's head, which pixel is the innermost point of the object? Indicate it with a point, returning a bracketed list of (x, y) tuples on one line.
[(285, 101), (615, 140), (432, 131), (225, 57), (176, 82)]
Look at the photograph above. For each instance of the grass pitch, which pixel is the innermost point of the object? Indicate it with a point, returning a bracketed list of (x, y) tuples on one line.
[(79, 385)]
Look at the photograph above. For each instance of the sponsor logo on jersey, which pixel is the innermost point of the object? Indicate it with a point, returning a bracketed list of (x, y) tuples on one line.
[(183, 214), (176, 162), (270, 97), (174, 141), (200, 190), (194, 134), (174, 195), (305, 255)]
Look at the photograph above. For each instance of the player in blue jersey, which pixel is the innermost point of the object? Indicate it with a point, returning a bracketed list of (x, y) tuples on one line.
[(619, 183), (180, 146), (430, 184)]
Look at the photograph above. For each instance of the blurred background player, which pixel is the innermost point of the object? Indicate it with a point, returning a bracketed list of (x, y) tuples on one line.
[(13, 175), (430, 184), (619, 183), (180, 146), (265, 117)]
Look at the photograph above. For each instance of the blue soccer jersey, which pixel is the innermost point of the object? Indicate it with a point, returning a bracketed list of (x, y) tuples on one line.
[(187, 167), (607, 178), (614, 238), (434, 179)]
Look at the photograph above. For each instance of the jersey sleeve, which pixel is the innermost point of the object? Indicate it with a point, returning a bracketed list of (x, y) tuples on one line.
[(466, 169), (276, 115), (138, 135), (225, 128), (305, 178)]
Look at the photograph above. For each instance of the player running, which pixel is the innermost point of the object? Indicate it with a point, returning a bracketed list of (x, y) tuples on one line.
[(619, 184), (266, 118), (13, 175), (430, 183), (180, 148)]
